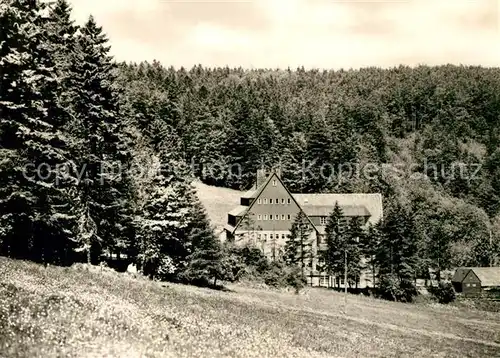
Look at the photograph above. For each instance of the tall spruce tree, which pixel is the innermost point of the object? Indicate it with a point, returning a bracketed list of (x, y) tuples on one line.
[(207, 260), (333, 255), (397, 254), (171, 218), (298, 244), (35, 195), (354, 239), (101, 148), (370, 243)]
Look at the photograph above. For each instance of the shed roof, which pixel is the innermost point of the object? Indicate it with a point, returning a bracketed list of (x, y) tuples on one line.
[(489, 276), (252, 193), (238, 211)]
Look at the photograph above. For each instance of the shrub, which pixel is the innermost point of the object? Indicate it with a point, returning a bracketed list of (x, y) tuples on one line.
[(394, 289), (275, 276), (295, 279), (443, 292)]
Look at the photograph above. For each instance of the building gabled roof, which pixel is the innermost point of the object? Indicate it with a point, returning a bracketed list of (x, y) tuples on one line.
[(350, 210), (368, 205), (489, 276), (255, 193), (460, 274), (371, 203)]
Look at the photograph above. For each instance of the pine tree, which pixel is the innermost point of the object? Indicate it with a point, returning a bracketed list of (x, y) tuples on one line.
[(370, 243), (207, 260), (298, 245), (333, 255), (163, 225), (397, 253), (354, 239), (35, 194), (101, 147)]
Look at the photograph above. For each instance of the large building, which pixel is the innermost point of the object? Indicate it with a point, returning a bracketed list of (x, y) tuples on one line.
[(266, 214)]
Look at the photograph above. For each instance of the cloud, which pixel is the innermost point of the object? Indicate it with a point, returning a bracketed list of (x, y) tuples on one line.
[(312, 33)]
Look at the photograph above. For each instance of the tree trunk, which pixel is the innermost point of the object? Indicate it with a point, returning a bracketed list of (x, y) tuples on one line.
[(215, 282)]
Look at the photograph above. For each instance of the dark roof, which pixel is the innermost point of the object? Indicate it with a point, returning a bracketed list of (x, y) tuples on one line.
[(350, 210), (460, 274), (354, 204), (489, 276)]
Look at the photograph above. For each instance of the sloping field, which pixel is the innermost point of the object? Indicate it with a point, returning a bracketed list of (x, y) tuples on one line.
[(71, 312), (217, 201)]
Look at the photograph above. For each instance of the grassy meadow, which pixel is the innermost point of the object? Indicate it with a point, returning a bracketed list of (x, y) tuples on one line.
[(217, 202), (86, 312)]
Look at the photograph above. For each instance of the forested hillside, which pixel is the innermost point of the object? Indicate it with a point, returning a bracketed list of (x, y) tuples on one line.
[(426, 137), (96, 157)]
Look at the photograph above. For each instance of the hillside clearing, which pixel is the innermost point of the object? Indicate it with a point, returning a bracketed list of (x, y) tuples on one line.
[(68, 312), (217, 202)]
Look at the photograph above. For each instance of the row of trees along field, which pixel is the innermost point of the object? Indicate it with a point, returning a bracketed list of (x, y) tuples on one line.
[(389, 250), (68, 132), (65, 104)]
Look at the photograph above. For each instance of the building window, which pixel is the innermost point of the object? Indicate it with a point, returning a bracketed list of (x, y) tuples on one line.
[(282, 216), (274, 182), (322, 220), (265, 200), (270, 201), (283, 236), (270, 236), (288, 201), (259, 201), (258, 236), (259, 217), (473, 285), (277, 201), (265, 216), (265, 237), (282, 200), (270, 216), (289, 216), (467, 284)]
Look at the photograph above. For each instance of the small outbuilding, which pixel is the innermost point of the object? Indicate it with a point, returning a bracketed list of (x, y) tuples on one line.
[(473, 280)]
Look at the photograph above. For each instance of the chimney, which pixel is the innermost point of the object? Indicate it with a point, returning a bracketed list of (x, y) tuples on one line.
[(261, 177), (277, 170)]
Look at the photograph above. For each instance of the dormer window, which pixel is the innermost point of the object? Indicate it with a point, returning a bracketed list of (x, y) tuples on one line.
[(275, 182), (322, 220)]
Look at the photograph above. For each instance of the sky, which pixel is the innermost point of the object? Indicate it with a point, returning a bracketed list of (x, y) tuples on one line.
[(291, 33)]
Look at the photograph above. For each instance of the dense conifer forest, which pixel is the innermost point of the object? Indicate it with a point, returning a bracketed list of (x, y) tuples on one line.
[(78, 130)]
